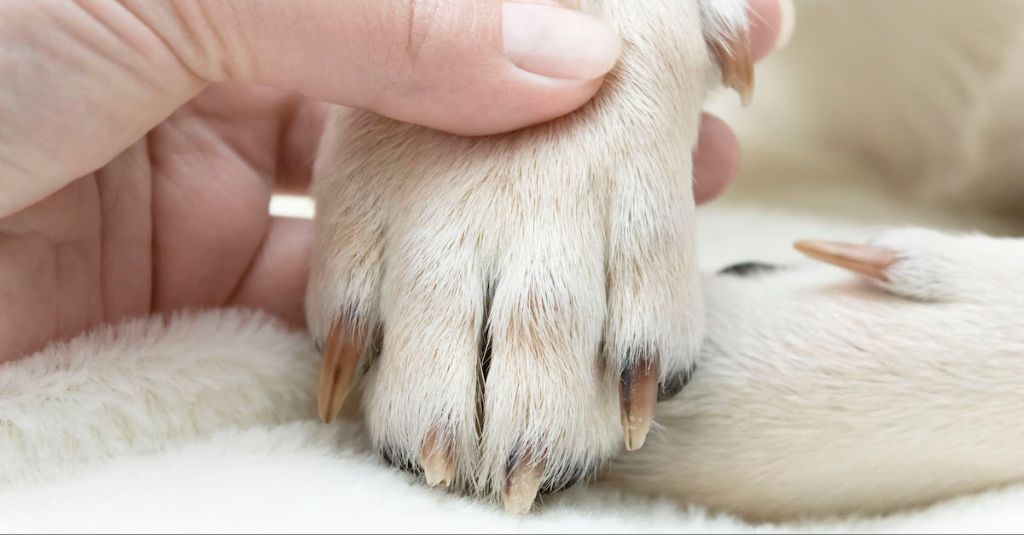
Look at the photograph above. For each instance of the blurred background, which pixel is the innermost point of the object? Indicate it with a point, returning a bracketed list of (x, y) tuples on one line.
[(920, 102)]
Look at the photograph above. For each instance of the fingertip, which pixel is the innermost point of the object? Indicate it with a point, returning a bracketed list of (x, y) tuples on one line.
[(716, 159), (498, 67), (537, 102), (771, 26), (557, 42)]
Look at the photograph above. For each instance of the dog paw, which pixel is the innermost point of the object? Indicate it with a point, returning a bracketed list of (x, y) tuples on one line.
[(932, 266), (516, 305), (513, 331)]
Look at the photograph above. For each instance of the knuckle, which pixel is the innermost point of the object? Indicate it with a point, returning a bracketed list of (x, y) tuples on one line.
[(421, 24)]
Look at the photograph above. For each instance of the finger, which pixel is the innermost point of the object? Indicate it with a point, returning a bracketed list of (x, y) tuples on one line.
[(717, 156), (82, 82), (276, 279), (466, 66), (771, 26), (90, 78), (301, 129), (716, 159), (274, 132)]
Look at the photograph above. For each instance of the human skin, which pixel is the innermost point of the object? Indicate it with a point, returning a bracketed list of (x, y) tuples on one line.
[(140, 142)]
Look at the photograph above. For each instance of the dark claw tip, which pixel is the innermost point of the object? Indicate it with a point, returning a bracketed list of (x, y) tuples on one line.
[(569, 478), (399, 461), (674, 384)]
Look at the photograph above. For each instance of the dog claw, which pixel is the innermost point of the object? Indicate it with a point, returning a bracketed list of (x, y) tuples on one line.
[(522, 484), (866, 260), (737, 64), (638, 393), (340, 356), (437, 459)]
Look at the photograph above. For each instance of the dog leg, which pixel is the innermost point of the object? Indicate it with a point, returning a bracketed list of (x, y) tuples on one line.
[(827, 392)]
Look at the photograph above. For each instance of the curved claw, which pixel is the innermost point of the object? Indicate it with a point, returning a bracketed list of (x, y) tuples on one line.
[(736, 61), (522, 483), (340, 357), (638, 393), (437, 458), (867, 260)]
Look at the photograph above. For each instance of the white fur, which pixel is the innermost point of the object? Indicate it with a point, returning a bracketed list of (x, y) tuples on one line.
[(146, 384), (809, 426), (820, 394), (556, 247), (550, 244)]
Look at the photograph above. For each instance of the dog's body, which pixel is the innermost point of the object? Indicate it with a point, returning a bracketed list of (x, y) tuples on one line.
[(562, 258), (820, 393)]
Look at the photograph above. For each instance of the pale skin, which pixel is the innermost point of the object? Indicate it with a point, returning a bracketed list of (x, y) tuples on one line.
[(138, 153)]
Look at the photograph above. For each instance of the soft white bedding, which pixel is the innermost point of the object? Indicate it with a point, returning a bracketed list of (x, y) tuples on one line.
[(205, 422)]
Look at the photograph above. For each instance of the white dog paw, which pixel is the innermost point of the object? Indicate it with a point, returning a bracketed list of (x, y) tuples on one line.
[(501, 319), (932, 266), (520, 302)]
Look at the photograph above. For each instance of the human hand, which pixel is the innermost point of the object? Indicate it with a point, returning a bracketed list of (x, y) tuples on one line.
[(140, 141)]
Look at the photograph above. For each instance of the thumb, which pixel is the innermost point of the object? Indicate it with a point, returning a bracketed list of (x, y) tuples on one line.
[(85, 80), (465, 66)]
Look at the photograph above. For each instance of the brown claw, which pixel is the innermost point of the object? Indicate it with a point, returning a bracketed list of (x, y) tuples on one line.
[(867, 260), (341, 354), (522, 484), (638, 392), (437, 458), (736, 61)]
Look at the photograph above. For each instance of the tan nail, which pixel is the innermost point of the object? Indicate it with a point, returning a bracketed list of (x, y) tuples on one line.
[(638, 393), (736, 60), (522, 484), (866, 260), (340, 357), (437, 458)]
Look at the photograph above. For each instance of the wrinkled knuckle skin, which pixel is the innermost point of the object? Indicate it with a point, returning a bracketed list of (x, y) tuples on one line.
[(423, 21)]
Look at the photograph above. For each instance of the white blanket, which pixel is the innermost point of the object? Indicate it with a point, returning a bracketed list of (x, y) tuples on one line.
[(206, 422)]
